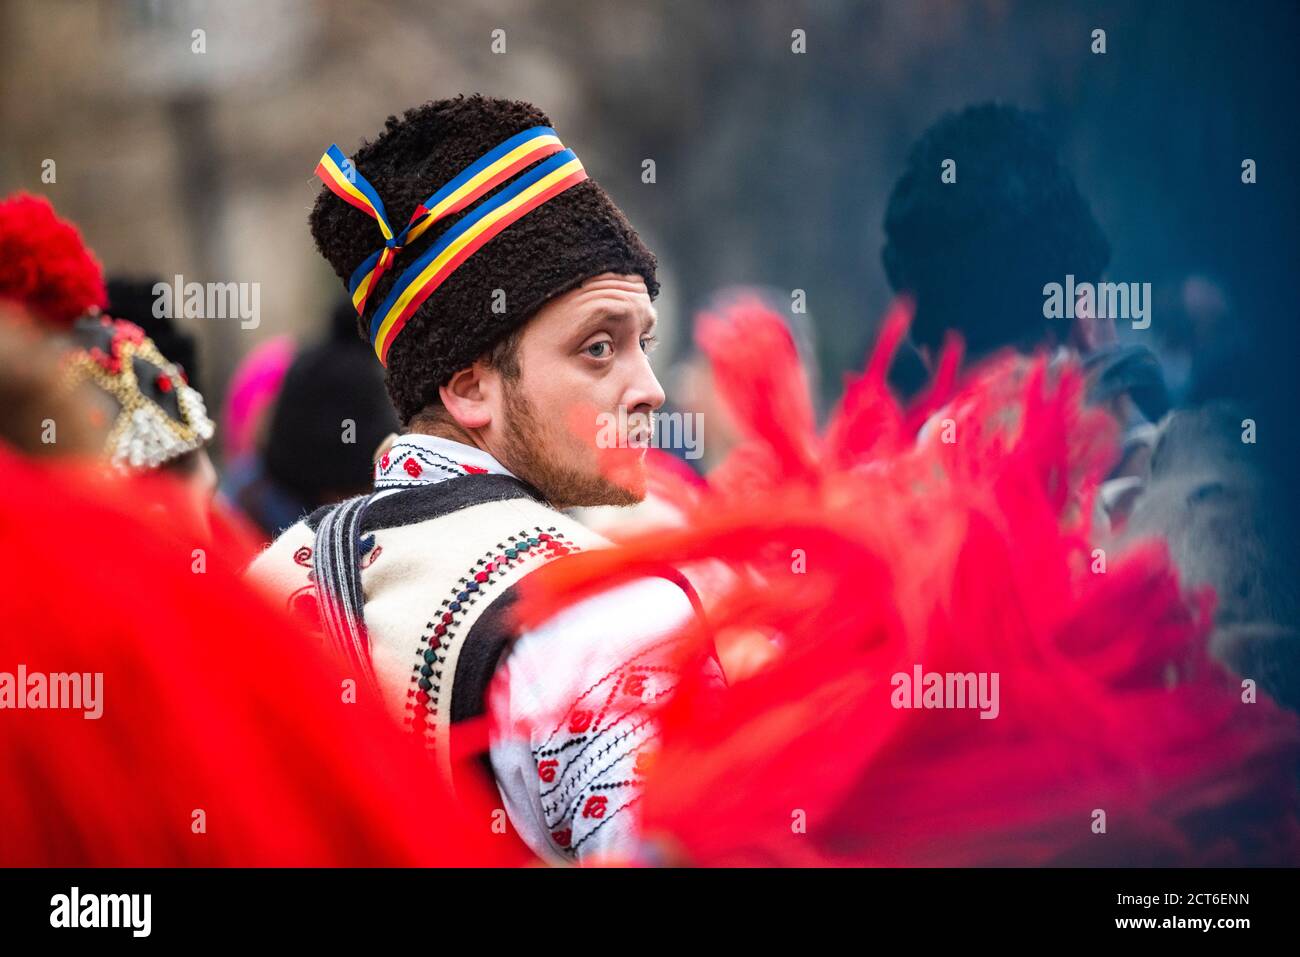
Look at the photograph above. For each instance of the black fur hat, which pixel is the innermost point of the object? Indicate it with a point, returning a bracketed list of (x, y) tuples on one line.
[(551, 250), (976, 253)]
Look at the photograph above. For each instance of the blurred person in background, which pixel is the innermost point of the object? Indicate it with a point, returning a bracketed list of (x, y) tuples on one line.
[(133, 298), (147, 415), (33, 391), (976, 253), (1221, 498), (318, 446), (1229, 515)]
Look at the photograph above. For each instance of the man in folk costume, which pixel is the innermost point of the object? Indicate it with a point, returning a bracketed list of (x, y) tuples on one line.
[(512, 313)]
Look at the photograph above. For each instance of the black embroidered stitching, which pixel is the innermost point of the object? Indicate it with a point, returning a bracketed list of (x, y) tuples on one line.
[(434, 692)]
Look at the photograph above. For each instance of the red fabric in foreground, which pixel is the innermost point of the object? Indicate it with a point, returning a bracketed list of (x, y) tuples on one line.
[(213, 701)]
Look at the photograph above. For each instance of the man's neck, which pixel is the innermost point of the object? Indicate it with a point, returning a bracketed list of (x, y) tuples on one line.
[(450, 431)]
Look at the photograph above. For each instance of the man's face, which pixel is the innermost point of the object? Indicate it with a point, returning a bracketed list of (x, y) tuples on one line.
[(582, 358)]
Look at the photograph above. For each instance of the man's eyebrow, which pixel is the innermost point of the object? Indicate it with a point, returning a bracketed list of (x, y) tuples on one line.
[(604, 314)]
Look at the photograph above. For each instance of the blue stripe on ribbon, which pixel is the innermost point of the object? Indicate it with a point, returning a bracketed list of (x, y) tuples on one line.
[(482, 163), (540, 171), (360, 182), (362, 271), (465, 175)]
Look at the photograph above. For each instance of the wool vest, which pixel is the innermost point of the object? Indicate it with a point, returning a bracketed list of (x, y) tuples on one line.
[(440, 567)]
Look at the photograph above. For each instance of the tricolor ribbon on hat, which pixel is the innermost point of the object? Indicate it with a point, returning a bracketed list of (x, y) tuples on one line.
[(560, 170)]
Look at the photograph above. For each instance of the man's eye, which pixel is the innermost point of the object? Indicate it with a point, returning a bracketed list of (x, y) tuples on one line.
[(648, 344), (595, 350)]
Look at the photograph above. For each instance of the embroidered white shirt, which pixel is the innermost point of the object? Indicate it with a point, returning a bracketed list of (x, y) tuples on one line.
[(572, 702)]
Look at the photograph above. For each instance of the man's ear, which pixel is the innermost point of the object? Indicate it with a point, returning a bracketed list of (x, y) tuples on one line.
[(467, 396)]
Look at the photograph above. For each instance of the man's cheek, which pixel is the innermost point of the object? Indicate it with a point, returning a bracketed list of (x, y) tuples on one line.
[(585, 428), (599, 439)]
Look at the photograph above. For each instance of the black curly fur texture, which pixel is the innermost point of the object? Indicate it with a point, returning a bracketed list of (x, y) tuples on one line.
[(976, 253)]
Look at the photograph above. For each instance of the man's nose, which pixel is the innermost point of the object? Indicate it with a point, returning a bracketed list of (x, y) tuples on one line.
[(644, 393)]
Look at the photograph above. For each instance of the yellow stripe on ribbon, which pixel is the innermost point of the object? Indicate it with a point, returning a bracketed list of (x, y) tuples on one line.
[(516, 159), (441, 260)]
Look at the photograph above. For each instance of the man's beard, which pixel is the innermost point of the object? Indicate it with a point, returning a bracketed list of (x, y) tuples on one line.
[(531, 454)]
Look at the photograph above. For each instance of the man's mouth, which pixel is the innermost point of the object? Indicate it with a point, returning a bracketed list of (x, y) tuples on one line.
[(640, 431)]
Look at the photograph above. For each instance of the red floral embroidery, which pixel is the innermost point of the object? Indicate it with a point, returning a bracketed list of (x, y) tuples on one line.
[(413, 468), (473, 469), (304, 606)]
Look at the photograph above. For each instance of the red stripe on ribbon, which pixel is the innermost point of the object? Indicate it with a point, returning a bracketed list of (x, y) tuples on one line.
[(479, 241)]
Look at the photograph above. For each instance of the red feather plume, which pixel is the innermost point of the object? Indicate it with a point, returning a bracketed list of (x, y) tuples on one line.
[(44, 264), (864, 552)]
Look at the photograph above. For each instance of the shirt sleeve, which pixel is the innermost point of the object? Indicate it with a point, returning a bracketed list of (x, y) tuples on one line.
[(573, 711)]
